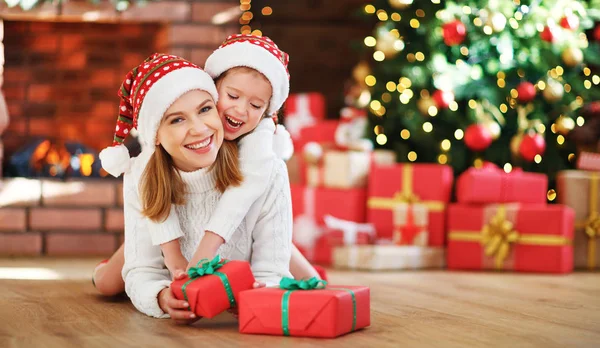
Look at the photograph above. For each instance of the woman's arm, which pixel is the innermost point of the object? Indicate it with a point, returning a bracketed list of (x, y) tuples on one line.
[(272, 234), (144, 271)]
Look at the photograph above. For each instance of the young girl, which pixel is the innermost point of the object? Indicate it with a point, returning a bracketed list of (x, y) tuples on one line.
[(186, 164), (253, 81)]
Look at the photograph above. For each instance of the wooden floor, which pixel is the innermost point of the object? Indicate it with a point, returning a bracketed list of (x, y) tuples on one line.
[(411, 309)]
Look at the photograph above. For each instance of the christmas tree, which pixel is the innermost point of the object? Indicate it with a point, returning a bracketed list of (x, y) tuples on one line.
[(469, 82)]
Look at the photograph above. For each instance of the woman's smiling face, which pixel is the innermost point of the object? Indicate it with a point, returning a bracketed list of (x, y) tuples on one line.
[(191, 131)]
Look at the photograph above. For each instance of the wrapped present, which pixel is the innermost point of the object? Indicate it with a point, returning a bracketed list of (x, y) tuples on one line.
[(322, 132), (410, 224), (588, 161), (581, 191), (338, 232), (305, 308), (383, 157), (493, 185), (222, 279), (429, 184), (340, 169), (311, 205), (303, 110), (388, 257), (517, 237)]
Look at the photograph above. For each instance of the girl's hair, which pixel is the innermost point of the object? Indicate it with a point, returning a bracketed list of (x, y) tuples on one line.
[(161, 185)]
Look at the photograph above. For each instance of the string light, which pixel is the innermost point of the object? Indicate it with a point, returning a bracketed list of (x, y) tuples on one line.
[(551, 195), (513, 23), (396, 17), (378, 56), (596, 79), (478, 163), (459, 134), (514, 93), (378, 130), (580, 121), (464, 51), (375, 105), (381, 139), (432, 111), (370, 9), (507, 168), (427, 127), (453, 106), (412, 156), (390, 86), (414, 23), (537, 158), (386, 97), (420, 56), (446, 144), (267, 11), (587, 71), (571, 157), (382, 15), (370, 80), (560, 70), (405, 134), (410, 57), (503, 108), (541, 85), (442, 159), (404, 98), (466, 10), (420, 13), (381, 111), (560, 140), (567, 88), (257, 32), (370, 41), (472, 104), (478, 22)]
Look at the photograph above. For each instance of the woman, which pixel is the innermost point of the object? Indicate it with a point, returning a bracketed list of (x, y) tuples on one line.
[(184, 168)]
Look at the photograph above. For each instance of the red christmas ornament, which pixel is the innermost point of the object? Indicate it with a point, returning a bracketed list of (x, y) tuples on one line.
[(531, 145), (570, 21), (478, 137), (443, 98), (454, 32), (526, 91), (548, 34), (597, 32)]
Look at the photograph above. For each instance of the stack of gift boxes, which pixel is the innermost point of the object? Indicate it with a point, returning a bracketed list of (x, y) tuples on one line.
[(361, 210)]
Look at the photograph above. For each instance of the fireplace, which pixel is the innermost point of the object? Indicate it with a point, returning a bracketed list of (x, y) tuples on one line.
[(63, 66)]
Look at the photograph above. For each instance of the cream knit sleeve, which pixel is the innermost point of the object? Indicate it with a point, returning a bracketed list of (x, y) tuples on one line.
[(272, 233), (144, 271)]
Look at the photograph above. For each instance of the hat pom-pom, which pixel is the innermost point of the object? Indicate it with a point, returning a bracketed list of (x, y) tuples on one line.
[(282, 143), (115, 160)]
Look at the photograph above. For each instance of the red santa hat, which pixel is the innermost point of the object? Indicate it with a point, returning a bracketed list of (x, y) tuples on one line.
[(146, 93)]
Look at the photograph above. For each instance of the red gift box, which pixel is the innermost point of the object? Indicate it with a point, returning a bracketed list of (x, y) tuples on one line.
[(329, 312), (339, 233), (588, 161), (223, 286), (429, 184), (311, 205), (518, 237), (303, 110), (493, 185), (322, 132)]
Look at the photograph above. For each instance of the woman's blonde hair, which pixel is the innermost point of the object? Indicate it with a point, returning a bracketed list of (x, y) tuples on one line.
[(161, 185)]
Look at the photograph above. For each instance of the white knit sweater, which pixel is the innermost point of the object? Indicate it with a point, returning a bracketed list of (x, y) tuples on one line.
[(256, 159), (264, 238)]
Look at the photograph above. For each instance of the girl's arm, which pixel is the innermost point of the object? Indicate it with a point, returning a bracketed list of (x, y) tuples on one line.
[(256, 164), (272, 234)]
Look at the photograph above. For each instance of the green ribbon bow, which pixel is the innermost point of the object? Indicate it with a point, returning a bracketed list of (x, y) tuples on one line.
[(206, 267), (313, 283), (293, 284)]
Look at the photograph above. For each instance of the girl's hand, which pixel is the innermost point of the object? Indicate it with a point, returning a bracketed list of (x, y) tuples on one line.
[(258, 285), (177, 309)]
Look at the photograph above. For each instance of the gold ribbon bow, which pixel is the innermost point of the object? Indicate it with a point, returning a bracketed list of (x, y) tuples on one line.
[(497, 236), (406, 197)]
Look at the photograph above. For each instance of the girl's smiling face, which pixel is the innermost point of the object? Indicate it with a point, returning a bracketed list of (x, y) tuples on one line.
[(244, 96)]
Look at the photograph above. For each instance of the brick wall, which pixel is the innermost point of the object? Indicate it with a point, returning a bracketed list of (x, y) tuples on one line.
[(61, 73), (50, 217)]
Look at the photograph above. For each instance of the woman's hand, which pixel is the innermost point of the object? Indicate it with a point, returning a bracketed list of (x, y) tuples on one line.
[(177, 309)]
